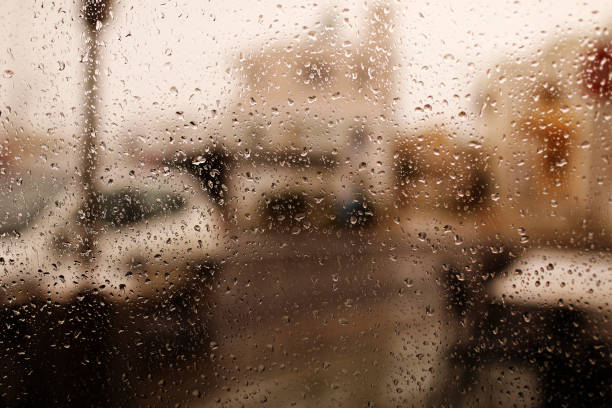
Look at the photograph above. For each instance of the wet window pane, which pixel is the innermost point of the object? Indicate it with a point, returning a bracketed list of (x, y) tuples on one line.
[(237, 204)]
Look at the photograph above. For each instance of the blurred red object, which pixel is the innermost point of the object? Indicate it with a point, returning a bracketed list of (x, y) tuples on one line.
[(598, 79)]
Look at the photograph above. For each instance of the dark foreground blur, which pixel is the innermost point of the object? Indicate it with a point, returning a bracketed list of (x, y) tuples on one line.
[(319, 319)]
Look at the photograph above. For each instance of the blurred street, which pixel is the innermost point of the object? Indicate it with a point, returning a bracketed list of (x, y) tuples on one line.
[(320, 321)]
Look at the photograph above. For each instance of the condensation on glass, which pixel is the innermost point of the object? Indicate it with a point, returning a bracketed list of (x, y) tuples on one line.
[(305, 204)]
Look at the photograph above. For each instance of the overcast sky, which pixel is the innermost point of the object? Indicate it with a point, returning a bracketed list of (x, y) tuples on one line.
[(164, 56)]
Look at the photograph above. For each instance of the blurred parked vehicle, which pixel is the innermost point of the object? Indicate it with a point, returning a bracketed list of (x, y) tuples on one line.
[(144, 278), (153, 232), (161, 232), (546, 312), (43, 258)]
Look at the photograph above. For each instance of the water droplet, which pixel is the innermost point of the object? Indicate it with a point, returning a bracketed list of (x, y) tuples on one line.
[(475, 144)]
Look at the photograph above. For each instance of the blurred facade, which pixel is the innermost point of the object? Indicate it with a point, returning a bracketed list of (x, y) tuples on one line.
[(313, 141), (546, 123)]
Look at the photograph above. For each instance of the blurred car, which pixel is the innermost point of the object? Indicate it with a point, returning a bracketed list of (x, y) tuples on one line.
[(546, 312), (549, 278), (161, 232), (271, 197), (136, 283), (43, 257), (151, 234), (563, 300)]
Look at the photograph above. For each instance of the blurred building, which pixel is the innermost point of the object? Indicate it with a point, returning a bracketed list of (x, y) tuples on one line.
[(546, 120), (310, 139), (308, 126), (313, 135)]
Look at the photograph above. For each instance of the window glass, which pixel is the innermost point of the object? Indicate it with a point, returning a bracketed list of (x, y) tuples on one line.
[(359, 203)]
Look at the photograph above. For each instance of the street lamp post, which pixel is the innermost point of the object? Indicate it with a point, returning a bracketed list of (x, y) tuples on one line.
[(94, 14)]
